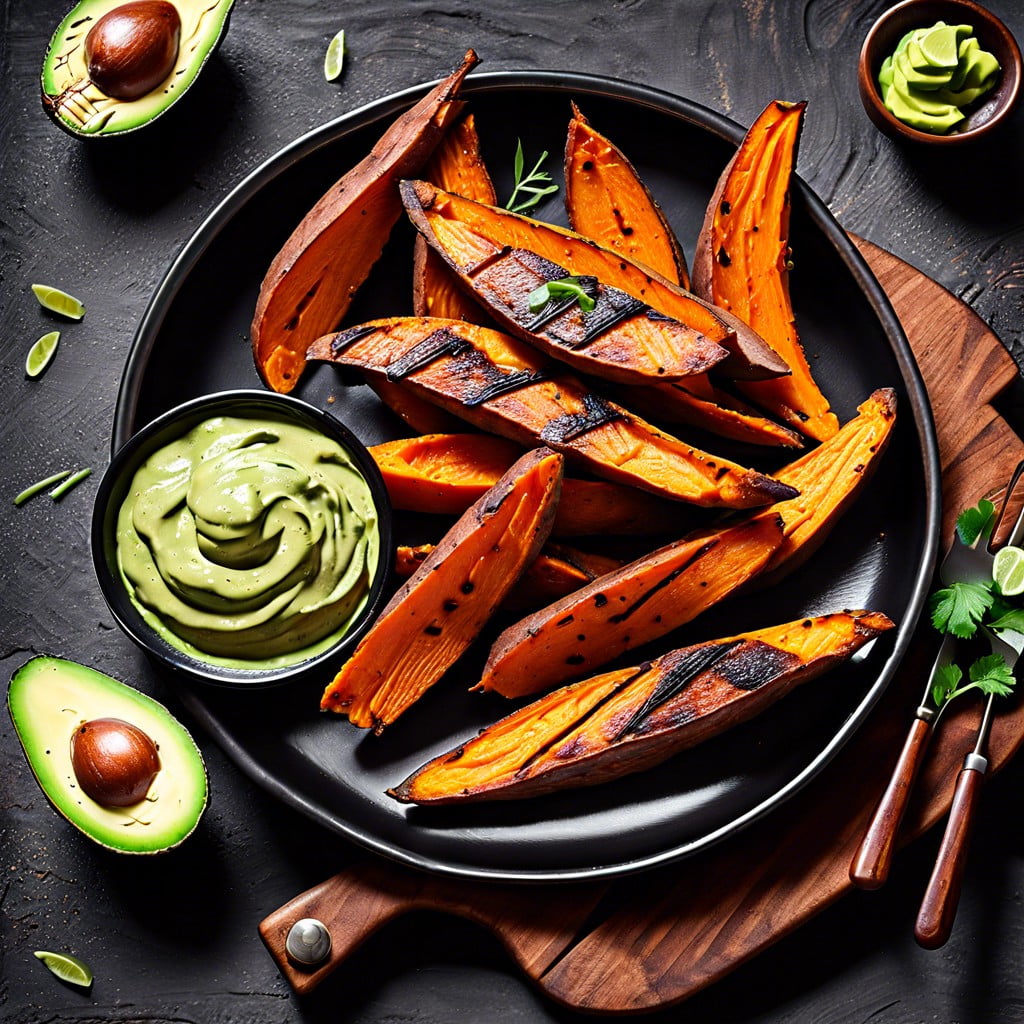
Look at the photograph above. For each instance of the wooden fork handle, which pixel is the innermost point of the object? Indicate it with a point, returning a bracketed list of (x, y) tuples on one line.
[(873, 859), (938, 908)]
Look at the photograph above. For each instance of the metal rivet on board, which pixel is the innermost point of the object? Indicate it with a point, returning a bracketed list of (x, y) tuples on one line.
[(308, 942)]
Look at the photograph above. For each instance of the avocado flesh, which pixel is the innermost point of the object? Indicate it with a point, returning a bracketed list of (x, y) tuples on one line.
[(49, 697), (80, 107)]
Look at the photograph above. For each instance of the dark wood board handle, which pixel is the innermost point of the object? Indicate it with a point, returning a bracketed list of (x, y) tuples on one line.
[(871, 864), (938, 908)]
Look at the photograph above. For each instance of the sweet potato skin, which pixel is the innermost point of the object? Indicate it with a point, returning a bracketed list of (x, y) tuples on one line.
[(750, 357), (310, 283), (592, 732), (606, 199), (436, 614), (638, 603), (742, 257), (500, 385)]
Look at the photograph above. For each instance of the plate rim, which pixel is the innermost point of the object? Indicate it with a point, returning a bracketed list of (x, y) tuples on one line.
[(662, 102)]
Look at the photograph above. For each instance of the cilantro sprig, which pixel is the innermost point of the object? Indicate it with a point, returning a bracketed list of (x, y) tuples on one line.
[(962, 609), (565, 287), (536, 185)]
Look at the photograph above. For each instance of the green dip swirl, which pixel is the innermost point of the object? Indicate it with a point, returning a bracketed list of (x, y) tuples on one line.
[(249, 543)]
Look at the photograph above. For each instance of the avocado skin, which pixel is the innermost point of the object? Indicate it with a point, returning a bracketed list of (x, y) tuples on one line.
[(80, 108), (48, 697)]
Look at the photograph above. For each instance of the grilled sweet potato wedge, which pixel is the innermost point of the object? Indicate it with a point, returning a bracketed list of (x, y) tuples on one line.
[(424, 417), (829, 478), (503, 386), (438, 613), (628, 607), (311, 281), (742, 259), (618, 337), (445, 473), (606, 200), (458, 167), (635, 718), (558, 570), (461, 224)]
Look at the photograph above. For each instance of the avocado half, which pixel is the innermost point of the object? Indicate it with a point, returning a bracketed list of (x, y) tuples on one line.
[(49, 698), (78, 106)]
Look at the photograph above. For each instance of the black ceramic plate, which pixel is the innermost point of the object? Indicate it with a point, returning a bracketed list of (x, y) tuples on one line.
[(193, 341)]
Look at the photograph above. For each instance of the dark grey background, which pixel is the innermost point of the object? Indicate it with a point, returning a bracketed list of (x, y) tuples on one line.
[(174, 938)]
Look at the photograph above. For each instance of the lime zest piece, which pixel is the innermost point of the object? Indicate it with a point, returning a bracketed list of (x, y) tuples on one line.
[(1008, 570), (334, 59), (72, 481), (40, 485), (41, 354), (66, 967), (57, 301)]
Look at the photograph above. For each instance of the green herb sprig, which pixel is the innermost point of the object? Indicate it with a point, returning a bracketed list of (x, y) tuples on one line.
[(962, 609), (533, 184), (564, 287)]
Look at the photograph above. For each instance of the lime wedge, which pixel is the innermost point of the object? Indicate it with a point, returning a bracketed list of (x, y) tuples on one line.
[(335, 57), (939, 46), (57, 301), (68, 968), (40, 354), (1008, 570)]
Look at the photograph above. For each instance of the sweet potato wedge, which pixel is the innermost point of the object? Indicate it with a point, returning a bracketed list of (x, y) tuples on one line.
[(606, 200), (458, 167), (829, 478), (635, 718), (445, 473), (501, 385), (628, 607), (742, 262), (558, 570), (311, 281), (436, 615), (424, 417), (618, 337), (461, 223)]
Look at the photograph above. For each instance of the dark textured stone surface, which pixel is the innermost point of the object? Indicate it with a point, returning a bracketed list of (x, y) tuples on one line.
[(174, 938)]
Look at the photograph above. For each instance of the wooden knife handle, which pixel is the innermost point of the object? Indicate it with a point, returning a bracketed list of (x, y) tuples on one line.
[(873, 859), (938, 908)]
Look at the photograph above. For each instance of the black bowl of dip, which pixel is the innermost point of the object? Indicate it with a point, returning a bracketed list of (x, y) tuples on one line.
[(244, 539)]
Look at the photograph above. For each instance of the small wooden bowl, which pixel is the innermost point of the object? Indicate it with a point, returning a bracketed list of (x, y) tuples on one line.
[(982, 118)]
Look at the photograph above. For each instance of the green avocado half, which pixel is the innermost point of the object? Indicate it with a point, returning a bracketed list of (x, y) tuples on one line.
[(49, 698), (80, 107)]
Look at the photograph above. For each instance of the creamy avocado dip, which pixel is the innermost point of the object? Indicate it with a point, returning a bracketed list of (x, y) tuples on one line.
[(249, 542), (933, 74)]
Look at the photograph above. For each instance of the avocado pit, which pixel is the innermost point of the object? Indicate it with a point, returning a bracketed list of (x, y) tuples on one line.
[(114, 761), (133, 48)]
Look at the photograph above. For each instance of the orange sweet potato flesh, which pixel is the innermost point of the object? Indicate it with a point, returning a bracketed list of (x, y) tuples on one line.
[(628, 607), (629, 720), (501, 385), (829, 478), (606, 200), (742, 259), (558, 570), (424, 417), (312, 280), (458, 167), (440, 610), (444, 474), (463, 224), (621, 338)]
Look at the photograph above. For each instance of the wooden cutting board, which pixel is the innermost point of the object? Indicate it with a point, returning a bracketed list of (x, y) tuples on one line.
[(648, 941)]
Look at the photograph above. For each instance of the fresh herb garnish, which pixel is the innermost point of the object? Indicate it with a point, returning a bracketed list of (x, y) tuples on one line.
[(962, 609), (40, 485), (564, 286), (72, 481), (532, 184)]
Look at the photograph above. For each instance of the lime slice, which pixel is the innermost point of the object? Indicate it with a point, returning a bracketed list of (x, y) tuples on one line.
[(40, 354), (939, 46), (1008, 570), (335, 57), (57, 301), (68, 968)]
